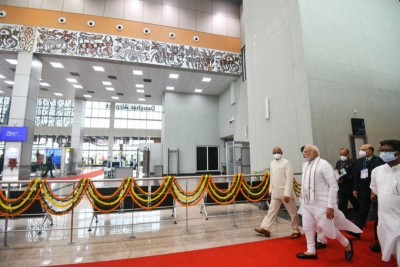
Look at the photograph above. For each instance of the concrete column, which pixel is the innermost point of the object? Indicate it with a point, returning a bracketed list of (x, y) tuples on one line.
[(23, 111), (111, 133), (77, 133)]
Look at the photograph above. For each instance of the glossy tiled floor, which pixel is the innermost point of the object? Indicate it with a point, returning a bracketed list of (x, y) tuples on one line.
[(115, 237)]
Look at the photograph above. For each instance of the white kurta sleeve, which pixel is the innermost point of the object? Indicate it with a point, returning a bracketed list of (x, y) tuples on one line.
[(373, 184), (288, 180), (329, 175)]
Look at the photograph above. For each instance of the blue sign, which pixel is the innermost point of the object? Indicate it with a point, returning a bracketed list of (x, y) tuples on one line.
[(13, 134)]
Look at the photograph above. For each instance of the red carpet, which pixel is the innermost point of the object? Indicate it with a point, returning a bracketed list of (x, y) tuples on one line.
[(275, 252), (78, 177)]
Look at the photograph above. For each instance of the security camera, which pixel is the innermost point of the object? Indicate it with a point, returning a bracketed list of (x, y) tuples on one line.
[(119, 27), (232, 120), (91, 23), (146, 31), (3, 13), (62, 20)]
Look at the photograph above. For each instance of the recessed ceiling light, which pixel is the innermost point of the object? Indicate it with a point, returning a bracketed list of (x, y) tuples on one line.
[(44, 84), (72, 80), (87, 96), (107, 83), (115, 97), (98, 68), (137, 72), (57, 65), (141, 99), (171, 88), (78, 86), (12, 61), (110, 88), (173, 76), (9, 82), (1, 76), (140, 90), (198, 90), (58, 94), (206, 79), (138, 85)]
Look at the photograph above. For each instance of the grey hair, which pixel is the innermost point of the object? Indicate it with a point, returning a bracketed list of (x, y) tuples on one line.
[(313, 148)]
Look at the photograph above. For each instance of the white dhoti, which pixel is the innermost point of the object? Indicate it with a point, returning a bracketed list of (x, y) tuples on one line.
[(390, 241)]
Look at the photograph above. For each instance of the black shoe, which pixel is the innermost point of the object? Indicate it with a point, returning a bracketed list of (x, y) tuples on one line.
[(375, 247), (305, 256), (348, 255), (356, 235), (320, 245)]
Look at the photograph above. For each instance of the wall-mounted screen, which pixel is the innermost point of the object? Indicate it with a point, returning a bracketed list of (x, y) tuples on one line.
[(13, 134)]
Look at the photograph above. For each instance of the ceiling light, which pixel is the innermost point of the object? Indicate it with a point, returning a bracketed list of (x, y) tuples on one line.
[(57, 65), (1, 76), (171, 88), (110, 88), (137, 72), (206, 79), (44, 84), (115, 97), (107, 83), (1, 92), (9, 82), (198, 90), (72, 80), (98, 68), (58, 94), (141, 99), (138, 85), (87, 96), (173, 76), (78, 86), (140, 90), (12, 61)]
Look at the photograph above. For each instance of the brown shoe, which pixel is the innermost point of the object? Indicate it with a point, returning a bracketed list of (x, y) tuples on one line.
[(294, 235), (262, 231)]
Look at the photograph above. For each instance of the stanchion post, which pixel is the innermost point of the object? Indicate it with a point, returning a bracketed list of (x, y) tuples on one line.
[(72, 221), (6, 219), (187, 214)]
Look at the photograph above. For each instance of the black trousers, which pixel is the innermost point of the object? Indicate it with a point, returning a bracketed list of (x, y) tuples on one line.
[(345, 194), (364, 198)]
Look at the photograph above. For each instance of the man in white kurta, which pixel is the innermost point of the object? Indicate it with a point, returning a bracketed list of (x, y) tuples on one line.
[(281, 190), (385, 183), (319, 204)]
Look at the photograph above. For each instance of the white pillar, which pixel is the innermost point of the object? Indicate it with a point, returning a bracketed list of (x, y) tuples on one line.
[(77, 133), (23, 110)]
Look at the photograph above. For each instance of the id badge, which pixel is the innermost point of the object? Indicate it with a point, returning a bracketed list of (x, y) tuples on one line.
[(343, 172), (364, 174)]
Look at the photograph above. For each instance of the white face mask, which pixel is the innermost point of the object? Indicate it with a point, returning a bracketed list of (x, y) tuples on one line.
[(343, 158), (277, 156), (362, 153), (388, 156)]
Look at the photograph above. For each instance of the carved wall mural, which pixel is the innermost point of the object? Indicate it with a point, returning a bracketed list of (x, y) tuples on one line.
[(84, 44)]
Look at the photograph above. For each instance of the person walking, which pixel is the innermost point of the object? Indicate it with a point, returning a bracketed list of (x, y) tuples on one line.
[(281, 191)]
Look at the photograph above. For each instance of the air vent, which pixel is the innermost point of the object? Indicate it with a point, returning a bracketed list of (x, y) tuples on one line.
[(111, 77), (44, 89), (120, 94), (12, 69), (90, 92), (147, 80), (74, 74), (147, 95)]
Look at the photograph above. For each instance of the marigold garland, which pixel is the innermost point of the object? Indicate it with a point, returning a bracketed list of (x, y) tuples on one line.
[(40, 190)]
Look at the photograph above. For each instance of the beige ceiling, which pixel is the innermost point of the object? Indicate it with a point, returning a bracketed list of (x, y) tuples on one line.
[(125, 83)]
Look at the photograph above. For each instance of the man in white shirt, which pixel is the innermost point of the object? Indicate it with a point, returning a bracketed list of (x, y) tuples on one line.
[(385, 184), (319, 205), (281, 191)]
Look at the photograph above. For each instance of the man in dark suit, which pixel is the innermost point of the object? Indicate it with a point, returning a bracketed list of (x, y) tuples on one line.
[(344, 167), (362, 180)]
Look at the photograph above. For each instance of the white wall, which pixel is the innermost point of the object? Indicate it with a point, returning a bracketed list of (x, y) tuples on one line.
[(189, 120), (238, 111), (210, 16), (275, 70), (353, 63)]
